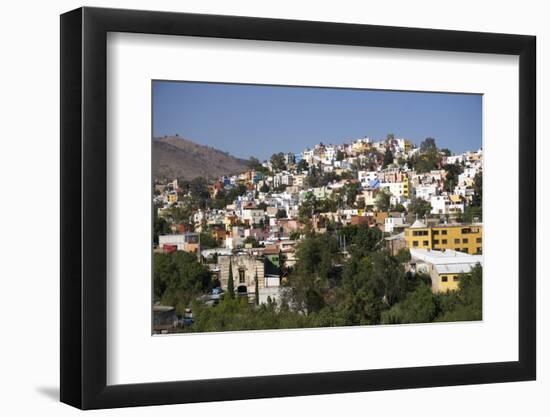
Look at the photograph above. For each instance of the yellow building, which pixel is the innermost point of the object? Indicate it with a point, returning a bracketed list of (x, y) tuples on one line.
[(465, 238), (360, 146), (172, 198), (445, 268), (446, 282), (406, 187)]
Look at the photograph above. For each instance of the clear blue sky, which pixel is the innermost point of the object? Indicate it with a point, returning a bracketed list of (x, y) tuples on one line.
[(255, 120)]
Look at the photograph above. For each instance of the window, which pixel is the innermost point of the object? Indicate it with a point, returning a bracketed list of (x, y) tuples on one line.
[(444, 278), (478, 240), (436, 242), (457, 240), (456, 279), (444, 241), (443, 232), (415, 242), (436, 232), (425, 243), (465, 250), (478, 250), (464, 240), (420, 233), (241, 276)]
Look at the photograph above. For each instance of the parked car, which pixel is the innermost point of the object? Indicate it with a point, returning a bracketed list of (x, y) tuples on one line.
[(216, 293)]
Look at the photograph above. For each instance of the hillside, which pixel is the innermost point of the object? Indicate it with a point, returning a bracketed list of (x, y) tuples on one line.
[(175, 157)]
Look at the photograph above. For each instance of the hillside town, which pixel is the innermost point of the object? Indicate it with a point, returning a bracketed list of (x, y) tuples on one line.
[(292, 235)]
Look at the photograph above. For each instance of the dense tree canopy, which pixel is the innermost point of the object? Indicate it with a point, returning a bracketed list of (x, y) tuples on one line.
[(452, 171), (317, 256), (419, 207), (278, 161), (383, 200), (388, 157), (428, 144), (179, 278)]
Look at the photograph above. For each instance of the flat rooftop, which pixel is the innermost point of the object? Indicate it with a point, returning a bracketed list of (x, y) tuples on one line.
[(446, 257)]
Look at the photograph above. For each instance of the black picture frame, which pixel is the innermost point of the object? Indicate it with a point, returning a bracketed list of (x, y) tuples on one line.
[(84, 207)]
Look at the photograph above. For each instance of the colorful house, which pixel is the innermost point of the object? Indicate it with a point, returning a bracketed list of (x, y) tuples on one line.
[(466, 238), (446, 268)]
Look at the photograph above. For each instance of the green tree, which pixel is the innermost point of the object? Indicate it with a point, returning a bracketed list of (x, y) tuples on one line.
[(403, 255), (465, 304), (230, 283), (388, 276), (307, 208), (178, 278), (370, 285), (419, 207), (358, 301), (278, 161), (428, 144), (180, 214), (400, 208), (478, 190), (388, 157), (362, 239), (317, 256), (418, 307), (302, 165), (383, 200), (256, 289), (198, 188), (252, 241), (451, 176), (472, 214), (427, 161), (207, 241), (281, 214), (161, 226), (351, 190), (256, 165)]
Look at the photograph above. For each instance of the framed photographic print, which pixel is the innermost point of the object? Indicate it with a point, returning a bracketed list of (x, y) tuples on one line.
[(258, 208)]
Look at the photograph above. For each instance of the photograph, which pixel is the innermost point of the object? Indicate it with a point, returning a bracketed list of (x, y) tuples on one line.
[(288, 207)]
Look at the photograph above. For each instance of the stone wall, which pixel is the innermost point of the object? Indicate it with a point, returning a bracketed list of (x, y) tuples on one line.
[(244, 268)]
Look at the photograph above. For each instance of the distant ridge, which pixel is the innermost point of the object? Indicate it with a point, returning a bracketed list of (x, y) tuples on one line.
[(176, 157)]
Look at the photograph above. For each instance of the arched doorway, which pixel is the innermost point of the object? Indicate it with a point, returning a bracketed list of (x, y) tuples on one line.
[(242, 291)]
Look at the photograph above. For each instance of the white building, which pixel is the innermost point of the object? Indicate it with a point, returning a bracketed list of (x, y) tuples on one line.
[(283, 178), (307, 155), (252, 215), (455, 159), (444, 267), (330, 154), (188, 242), (391, 222), (322, 193), (365, 177), (396, 189), (441, 204), (425, 191)]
